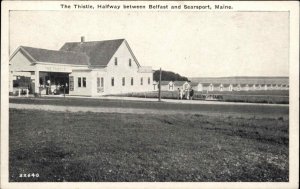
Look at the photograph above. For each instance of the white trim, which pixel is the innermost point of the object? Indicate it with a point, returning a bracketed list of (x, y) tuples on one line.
[(17, 50), (87, 70), (61, 64), (131, 52)]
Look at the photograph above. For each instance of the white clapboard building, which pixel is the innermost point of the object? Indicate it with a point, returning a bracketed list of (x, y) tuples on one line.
[(80, 68)]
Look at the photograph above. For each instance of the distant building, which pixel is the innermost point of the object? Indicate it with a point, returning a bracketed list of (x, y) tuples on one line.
[(184, 85), (206, 86), (236, 87), (274, 86), (217, 87), (264, 87), (284, 87), (287, 87), (252, 87), (227, 87), (269, 87), (258, 87), (167, 86), (196, 86), (242, 83), (244, 87)]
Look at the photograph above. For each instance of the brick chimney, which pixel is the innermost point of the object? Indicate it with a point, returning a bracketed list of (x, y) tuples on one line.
[(82, 39)]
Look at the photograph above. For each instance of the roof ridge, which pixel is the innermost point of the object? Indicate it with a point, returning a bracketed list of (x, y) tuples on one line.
[(96, 41)]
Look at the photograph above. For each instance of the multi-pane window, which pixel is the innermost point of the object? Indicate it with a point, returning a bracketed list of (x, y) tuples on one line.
[(130, 62), (100, 82), (112, 81), (148, 80), (123, 81), (132, 81), (79, 81), (116, 61), (84, 82), (141, 81)]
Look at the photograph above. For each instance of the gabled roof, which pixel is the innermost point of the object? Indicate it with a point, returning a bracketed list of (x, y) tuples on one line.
[(99, 52), (92, 53), (235, 80), (206, 84), (53, 56), (179, 83), (193, 84), (165, 82)]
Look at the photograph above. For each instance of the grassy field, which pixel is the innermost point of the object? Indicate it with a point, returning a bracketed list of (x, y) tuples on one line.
[(127, 147), (270, 97)]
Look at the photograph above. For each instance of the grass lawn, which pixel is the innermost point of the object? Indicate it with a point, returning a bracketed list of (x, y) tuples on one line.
[(127, 147), (269, 97)]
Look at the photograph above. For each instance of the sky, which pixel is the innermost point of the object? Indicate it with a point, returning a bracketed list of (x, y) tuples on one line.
[(193, 44)]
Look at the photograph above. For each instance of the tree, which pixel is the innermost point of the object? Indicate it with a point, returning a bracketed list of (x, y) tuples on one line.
[(168, 76)]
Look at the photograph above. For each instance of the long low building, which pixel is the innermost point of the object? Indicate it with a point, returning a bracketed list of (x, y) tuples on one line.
[(80, 68), (209, 87), (240, 83)]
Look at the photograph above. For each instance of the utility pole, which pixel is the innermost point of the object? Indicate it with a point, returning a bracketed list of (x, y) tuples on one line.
[(159, 88)]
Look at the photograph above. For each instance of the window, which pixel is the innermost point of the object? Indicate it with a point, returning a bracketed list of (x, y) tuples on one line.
[(130, 62), (84, 82), (116, 61), (79, 81), (148, 80), (102, 82), (98, 81), (112, 81), (132, 81), (141, 81), (123, 81)]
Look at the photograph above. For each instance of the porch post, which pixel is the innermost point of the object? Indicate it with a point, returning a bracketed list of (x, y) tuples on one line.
[(36, 81)]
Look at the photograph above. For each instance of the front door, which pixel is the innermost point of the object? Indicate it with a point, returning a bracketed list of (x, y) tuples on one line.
[(100, 84)]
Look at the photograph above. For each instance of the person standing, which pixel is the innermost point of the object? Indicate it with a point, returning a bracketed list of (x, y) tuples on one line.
[(191, 94), (180, 93), (187, 93)]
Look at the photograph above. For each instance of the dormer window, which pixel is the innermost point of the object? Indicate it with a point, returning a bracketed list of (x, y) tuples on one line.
[(116, 61), (130, 62)]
